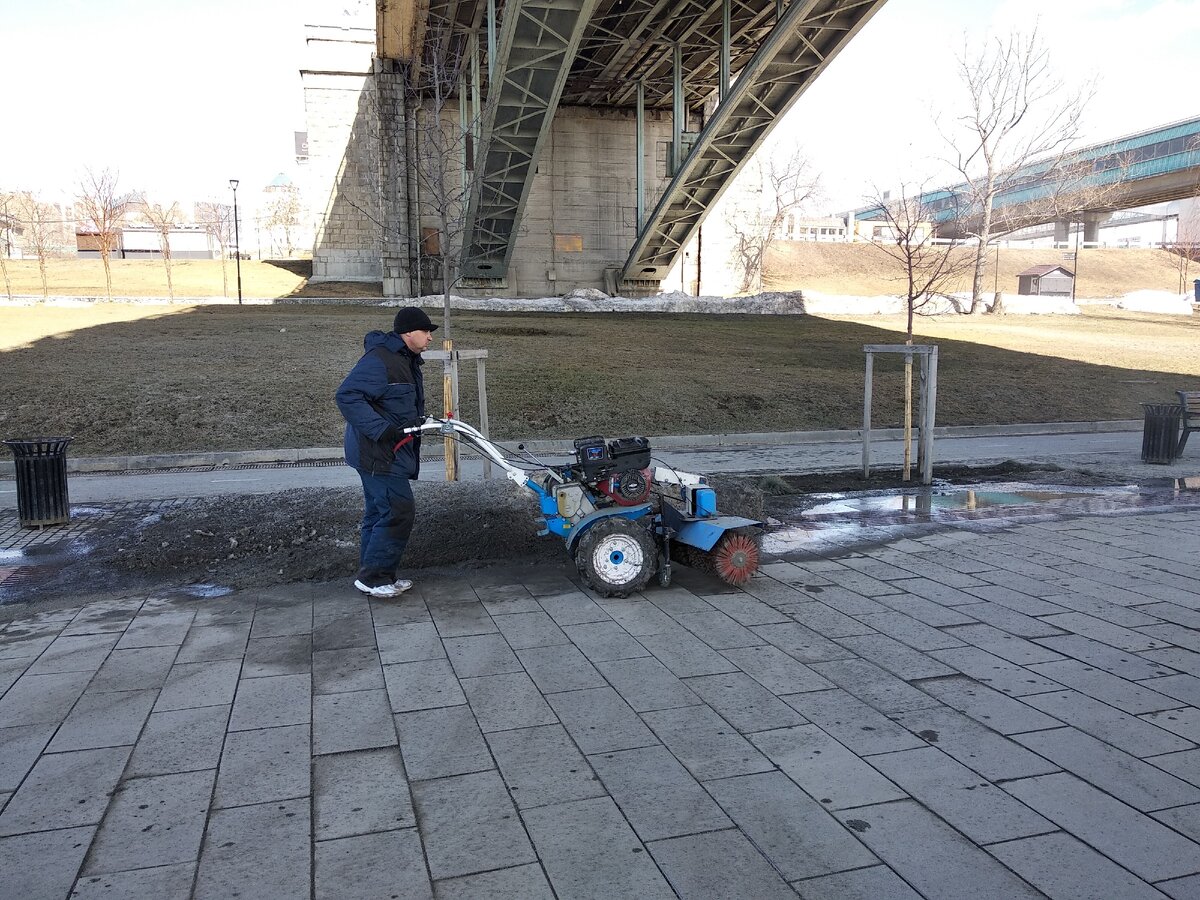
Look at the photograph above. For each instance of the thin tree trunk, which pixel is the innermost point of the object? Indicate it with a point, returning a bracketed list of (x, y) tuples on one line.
[(107, 272), (907, 473), (42, 270), (7, 280)]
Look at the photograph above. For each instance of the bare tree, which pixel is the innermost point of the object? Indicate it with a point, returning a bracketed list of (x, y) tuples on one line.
[(106, 207), (930, 270), (8, 226), (163, 221), (1186, 248), (39, 220), (283, 215), (1017, 112), (217, 219), (772, 191)]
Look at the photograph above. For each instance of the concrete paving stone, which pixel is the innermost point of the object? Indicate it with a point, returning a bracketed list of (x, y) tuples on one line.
[(542, 584), (928, 612), (518, 883), (233, 609), (1181, 888), (1111, 689), (686, 655), (328, 607), (11, 670), (352, 720), (897, 658), (1185, 688), (599, 720), (604, 641), (1184, 819), (105, 615), (850, 602), (707, 745), (1171, 612), (160, 883), (640, 617), (860, 727), (743, 702), (572, 608), (541, 765), (482, 654), (775, 670), (1125, 732), (264, 765), (873, 685), (20, 746), (104, 720), (775, 593), (37, 700), (26, 645), (997, 711), (441, 742), (677, 601), (422, 685), (1004, 595), (190, 685), (1105, 632), (84, 653), (561, 668), (281, 621), (796, 833), (500, 702), (350, 669), (370, 866), (909, 564), (64, 790), (1125, 616), (1061, 866), (1176, 658), (1179, 635), (929, 855), (525, 630), (258, 851), (409, 643), (719, 864), (907, 630), (1013, 622), (359, 793), (647, 684), (505, 598), (183, 740), (1106, 658), (825, 621), (989, 669), (155, 821), (469, 825), (42, 865), (862, 884), (271, 656), (157, 629), (1183, 722), (746, 610), (1131, 780), (656, 794), (589, 852), (937, 591), (959, 796), (208, 642), (718, 630), (976, 746), (1143, 846), (1004, 645), (825, 769), (800, 643), (408, 611), (860, 584), (1184, 765), (462, 619), (343, 632), (272, 701)]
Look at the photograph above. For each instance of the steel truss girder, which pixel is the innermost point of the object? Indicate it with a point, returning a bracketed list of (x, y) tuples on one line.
[(804, 40), (538, 42)]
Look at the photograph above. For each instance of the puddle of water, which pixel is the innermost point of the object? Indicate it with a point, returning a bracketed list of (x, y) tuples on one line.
[(822, 521), (206, 591)]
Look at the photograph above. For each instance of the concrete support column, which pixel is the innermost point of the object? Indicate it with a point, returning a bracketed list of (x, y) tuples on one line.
[(1091, 226), (1062, 232), (396, 250)]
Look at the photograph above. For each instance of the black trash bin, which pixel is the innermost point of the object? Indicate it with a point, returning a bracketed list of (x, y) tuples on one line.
[(41, 481), (1196, 288), (1160, 433)]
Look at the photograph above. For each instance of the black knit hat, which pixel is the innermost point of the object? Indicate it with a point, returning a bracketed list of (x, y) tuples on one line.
[(412, 318)]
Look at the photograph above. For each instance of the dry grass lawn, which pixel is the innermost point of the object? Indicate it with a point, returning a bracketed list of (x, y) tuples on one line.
[(127, 380)]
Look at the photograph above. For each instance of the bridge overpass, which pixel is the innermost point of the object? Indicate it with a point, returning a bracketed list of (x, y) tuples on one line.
[(1152, 166), (600, 132)]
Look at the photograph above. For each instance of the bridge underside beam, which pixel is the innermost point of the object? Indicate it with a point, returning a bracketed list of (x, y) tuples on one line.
[(538, 42), (805, 38)]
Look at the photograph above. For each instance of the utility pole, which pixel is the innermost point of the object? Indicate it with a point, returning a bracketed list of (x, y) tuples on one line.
[(237, 244)]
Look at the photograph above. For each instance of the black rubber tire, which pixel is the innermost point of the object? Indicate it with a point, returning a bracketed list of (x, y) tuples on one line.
[(639, 554)]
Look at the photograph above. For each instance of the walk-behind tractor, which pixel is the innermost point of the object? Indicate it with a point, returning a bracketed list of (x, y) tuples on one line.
[(624, 522)]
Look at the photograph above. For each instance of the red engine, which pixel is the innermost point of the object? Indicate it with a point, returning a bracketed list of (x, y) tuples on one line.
[(627, 488)]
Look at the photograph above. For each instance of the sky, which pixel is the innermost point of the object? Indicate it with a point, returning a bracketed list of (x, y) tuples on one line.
[(179, 96)]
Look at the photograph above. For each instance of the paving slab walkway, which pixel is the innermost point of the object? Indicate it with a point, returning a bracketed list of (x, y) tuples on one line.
[(998, 714)]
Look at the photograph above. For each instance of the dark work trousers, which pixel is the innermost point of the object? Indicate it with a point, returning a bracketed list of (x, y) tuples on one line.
[(388, 511)]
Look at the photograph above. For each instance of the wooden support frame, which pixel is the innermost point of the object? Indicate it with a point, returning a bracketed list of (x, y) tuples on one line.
[(927, 402), (480, 357)]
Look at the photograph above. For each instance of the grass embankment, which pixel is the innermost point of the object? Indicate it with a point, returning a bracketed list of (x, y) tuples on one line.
[(129, 380)]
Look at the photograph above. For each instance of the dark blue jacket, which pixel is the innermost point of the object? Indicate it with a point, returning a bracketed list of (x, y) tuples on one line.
[(383, 393)]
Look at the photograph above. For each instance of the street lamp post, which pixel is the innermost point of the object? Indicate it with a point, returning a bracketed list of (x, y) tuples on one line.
[(237, 244)]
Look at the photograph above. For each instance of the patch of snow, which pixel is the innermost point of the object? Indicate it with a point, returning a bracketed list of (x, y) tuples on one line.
[(1157, 302)]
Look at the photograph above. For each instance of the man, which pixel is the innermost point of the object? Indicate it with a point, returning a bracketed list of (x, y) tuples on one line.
[(384, 394)]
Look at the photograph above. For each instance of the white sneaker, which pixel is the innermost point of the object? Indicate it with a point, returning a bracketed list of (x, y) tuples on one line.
[(402, 584), (382, 590)]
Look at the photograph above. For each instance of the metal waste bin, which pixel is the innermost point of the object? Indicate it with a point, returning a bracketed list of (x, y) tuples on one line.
[(1160, 434), (41, 466), (1196, 288)]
